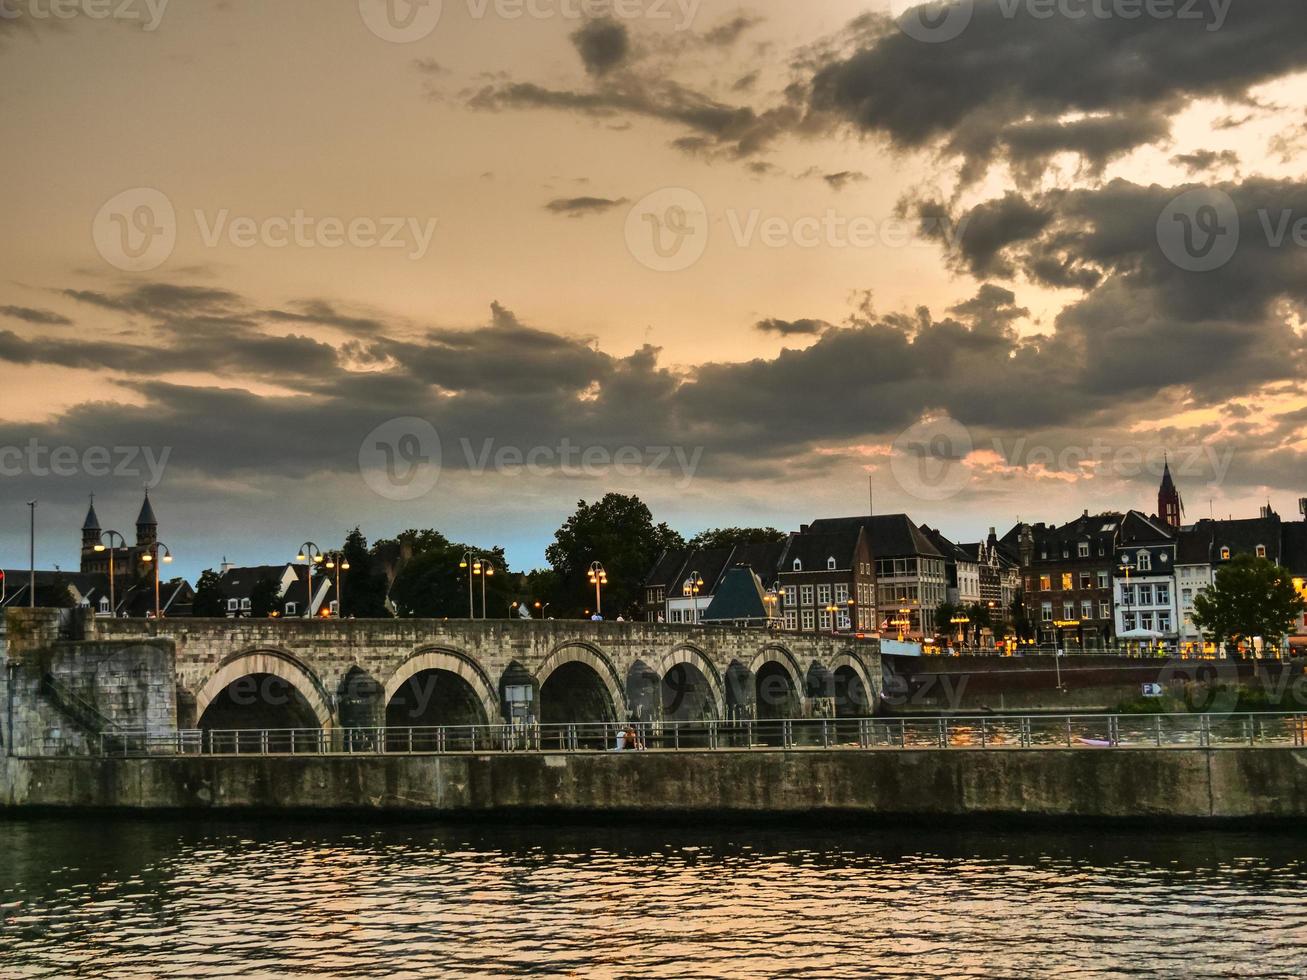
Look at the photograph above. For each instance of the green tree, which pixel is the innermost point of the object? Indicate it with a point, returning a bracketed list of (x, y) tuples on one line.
[(430, 584), (1251, 597), (363, 587), (944, 614), (618, 531), (265, 598), (210, 602), (727, 537), (1022, 627)]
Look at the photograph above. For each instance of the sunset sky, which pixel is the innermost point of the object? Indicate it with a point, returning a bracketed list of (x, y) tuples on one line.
[(744, 257)]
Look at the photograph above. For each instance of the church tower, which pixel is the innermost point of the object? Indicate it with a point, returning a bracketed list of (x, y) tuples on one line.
[(147, 525), (90, 537), (1169, 505)]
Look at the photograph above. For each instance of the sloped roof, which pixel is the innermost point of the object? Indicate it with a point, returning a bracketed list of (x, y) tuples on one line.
[(668, 567), (813, 549), (239, 583), (92, 522), (888, 535), (1139, 528), (739, 598), (146, 517)]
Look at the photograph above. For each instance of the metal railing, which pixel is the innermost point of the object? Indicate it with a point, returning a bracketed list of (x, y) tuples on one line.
[(983, 733)]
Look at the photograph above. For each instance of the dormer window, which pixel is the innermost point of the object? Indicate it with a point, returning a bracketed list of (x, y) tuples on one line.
[(104, 605), (245, 605), (1084, 549), (830, 564), (1261, 551), (798, 565), (232, 605), (1144, 561), (290, 609), (1225, 554)]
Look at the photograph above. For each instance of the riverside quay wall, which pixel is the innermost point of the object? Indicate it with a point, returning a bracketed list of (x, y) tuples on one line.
[(1183, 784)]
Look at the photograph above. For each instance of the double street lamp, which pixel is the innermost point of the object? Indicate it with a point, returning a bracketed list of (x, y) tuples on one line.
[(337, 561), (311, 553), (691, 589), (476, 565), (100, 547), (152, 556), (598, 577)]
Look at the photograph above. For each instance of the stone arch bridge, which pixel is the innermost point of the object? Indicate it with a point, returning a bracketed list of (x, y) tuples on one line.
[(371, 673)]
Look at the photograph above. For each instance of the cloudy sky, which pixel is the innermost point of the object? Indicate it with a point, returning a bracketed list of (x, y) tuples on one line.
[(310, 264)]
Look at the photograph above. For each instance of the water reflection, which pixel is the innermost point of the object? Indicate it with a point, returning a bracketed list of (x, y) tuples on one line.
[(187, 898)]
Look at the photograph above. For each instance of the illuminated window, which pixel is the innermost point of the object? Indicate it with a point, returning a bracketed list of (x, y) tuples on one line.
[(1225, 554), (1067, 583), (1261, 551), (1045, 583)]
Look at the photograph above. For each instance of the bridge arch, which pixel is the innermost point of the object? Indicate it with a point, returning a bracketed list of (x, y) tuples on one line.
[(778, 683), (453, 662), (687, 655), (281, 664), (588, 655), (846, 664), (777, 653)]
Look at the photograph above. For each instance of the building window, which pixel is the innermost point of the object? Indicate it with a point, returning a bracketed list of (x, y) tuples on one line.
[(841, 593), (1128, 621), (232, 605), (1144, 561), (1163, 594), (1086, 581), (1103, 582), (334, 606), (825, 619), (1045, 583), (1086, 609), (823, 594), (290, 608), (805, 594), (246, 605), (830, 564), (1068, 610), (1261, 551), (1067, 583), (1164, 622), (1104, 610), (791, 620), (798, 565), (1046, 612), (807, 619), (1084, 549), (1146, 620), (1145, 595)]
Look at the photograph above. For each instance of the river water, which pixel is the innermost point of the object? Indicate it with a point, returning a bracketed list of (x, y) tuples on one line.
[(191, 898)]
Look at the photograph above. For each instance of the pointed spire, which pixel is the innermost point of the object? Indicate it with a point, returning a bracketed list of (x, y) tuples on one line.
[(147, 518), (1167, 482), (92, 522)]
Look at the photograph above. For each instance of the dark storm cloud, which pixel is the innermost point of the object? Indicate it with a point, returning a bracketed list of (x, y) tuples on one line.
[(161, 299), (792, 328), (45, 317), (731, 30), (603, 45), (1204, 160), (323, 313), (845, 177), (576, 207), (1005, 85)]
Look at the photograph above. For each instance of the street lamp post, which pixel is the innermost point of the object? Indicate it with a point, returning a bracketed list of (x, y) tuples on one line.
[(311, 553), (152, 556), (691, 589), (473, 566), (336, 560), (598, 577), (31, 556), (542, 607), (100, 546)]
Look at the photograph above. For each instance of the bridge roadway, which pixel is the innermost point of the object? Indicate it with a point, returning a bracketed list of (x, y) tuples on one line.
[(246, 673)]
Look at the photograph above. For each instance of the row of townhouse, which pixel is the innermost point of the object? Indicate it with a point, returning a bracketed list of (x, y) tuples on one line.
[(882, 574), (1133, 577)]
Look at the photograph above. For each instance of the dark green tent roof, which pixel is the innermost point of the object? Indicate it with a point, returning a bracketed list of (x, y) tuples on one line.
[(738, 598)]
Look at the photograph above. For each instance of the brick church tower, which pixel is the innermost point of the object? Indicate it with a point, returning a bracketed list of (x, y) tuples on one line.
[(1169, 506)]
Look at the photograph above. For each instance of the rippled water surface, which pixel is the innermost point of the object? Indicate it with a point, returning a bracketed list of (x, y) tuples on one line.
[(97, 897)]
